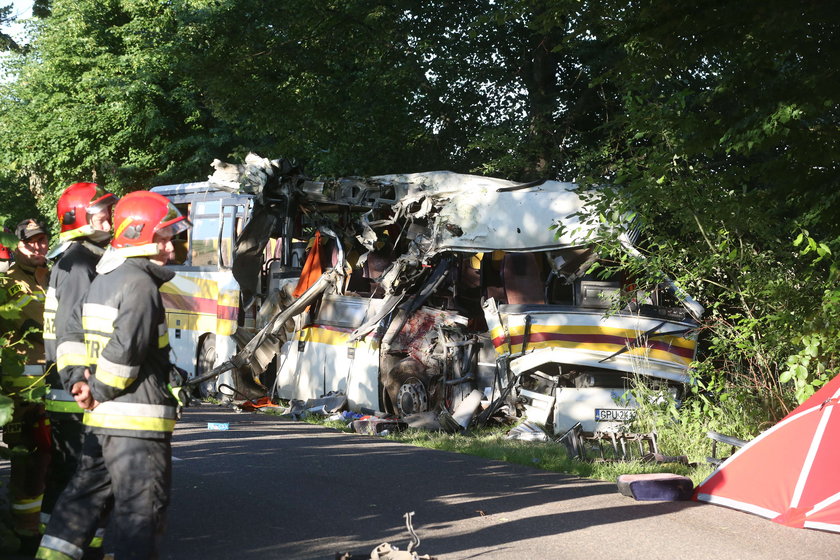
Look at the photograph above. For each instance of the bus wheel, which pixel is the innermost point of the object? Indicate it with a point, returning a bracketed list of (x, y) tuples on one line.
[(405, 388), (412, 397), (205, 361)]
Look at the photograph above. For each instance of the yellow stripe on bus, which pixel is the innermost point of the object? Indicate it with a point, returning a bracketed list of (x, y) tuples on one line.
[(201, 322), (598, 347), (195, 287), (332, 337)]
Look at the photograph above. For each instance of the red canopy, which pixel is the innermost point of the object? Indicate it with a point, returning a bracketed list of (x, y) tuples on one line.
[(791, 472)]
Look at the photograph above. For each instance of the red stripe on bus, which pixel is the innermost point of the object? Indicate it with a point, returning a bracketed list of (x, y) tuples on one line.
[(176, 302)]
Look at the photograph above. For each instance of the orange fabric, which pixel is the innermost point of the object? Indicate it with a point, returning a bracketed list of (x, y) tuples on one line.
[(263, 402), (311, 268)]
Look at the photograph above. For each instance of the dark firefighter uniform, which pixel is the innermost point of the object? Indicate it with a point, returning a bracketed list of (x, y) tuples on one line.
[(70, 279), (127, 454), (29, 428)]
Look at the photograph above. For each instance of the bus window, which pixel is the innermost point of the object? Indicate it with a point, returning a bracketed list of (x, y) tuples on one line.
[(230, 232), (205, 234), (181, 241)]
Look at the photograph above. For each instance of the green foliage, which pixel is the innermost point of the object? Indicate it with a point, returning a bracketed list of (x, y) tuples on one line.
[(816, 361), (7, 239), (7, 43), (10, 360), (710, 130), (19, 204), (140, 93), (490, 443), (97, 109), (710, 403), (724, 151), (6, 409)]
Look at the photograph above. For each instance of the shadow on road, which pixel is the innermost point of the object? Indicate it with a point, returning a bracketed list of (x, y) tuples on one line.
[(270, 488)]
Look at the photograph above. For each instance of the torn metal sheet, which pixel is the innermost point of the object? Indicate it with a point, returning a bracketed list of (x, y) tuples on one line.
[(334, 402), (528, 431), (489, 220)]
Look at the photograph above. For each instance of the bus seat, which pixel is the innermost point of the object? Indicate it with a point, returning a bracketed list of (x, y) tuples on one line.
[(491, 276), (522, 275)]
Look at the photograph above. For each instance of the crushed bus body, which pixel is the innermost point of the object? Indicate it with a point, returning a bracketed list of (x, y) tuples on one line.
[(426, 291)]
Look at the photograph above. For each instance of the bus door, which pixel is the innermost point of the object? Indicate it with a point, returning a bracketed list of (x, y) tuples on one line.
[(202, 300)]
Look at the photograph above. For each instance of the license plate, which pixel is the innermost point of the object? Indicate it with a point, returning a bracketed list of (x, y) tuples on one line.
[(614, 414)]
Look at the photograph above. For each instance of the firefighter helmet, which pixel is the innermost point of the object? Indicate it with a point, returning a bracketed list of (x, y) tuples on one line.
[(77, 204), (140, 215)]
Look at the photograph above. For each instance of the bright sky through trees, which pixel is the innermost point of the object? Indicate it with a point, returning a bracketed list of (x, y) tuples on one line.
[(21, 9)]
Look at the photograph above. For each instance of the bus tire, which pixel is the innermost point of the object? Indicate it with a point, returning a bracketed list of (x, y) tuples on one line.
[(205, 361)]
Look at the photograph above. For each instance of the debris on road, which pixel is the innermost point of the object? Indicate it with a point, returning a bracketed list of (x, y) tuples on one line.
[(656, 487), (387, 551), (611, 445)]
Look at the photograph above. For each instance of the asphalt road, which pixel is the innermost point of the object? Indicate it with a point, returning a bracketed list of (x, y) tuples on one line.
[(272, 488)]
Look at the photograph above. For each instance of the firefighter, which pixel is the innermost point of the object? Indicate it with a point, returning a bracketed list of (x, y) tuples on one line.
[(27, 280), (84, 216), (129, 411)]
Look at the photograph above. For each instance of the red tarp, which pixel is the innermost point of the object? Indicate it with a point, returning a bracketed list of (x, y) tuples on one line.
[(791, 472)]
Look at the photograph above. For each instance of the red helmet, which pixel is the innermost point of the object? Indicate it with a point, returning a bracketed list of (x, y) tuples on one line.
[(138, 216), (75, 206), (5, 254)]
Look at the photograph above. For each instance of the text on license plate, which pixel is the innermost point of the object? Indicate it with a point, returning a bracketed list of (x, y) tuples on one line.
[(614, 414)]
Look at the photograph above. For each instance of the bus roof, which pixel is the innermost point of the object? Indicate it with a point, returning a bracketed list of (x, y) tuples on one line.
[(192, 188)]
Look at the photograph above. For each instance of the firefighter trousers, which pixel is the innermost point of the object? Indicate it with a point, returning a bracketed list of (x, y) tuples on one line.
[(68, 436), (28, 431), (135, 474)]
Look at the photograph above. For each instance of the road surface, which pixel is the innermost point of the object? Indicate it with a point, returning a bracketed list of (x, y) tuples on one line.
[(271, 488)]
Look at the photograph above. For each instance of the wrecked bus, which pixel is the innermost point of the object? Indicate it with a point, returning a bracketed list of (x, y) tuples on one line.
[(414, 293), (468, 288)]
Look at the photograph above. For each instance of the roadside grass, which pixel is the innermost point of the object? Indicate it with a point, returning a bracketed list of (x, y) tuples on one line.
[(490, 443), (550, 456)]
